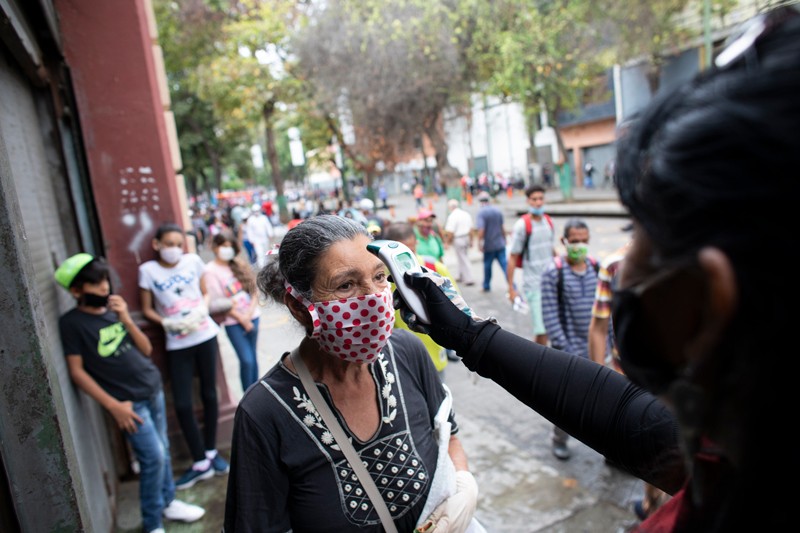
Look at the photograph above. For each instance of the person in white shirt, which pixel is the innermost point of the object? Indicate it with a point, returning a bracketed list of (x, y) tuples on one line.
[(259, 232), (458, 231)]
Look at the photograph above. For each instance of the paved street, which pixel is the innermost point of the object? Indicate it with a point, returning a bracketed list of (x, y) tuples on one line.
[(523, 488)]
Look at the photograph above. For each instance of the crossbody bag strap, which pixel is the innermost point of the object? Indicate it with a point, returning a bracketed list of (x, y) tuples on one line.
[(344, 443)]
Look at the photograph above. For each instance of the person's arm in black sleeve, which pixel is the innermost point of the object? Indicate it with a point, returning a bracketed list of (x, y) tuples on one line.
[(592, 403), (258, 486)]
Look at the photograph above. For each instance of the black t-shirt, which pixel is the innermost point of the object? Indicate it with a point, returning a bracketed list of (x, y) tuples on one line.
[(288, 474), (109, 355)]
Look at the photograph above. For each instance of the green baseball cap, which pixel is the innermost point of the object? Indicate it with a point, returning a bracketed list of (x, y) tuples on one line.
[(71, 268)]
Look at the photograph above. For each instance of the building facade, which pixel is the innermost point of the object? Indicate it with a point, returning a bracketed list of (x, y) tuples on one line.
[(88, 162)]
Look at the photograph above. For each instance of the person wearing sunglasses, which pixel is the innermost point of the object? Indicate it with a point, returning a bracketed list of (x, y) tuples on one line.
[(702, 315)]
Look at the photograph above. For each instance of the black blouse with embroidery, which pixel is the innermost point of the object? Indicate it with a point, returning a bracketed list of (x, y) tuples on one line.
[(288, 474)]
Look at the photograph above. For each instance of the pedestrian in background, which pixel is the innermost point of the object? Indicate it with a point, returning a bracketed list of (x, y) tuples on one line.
[(429, 243), (259, 233), (532, 241), (458, 231), (491, 238), (232, 282), (108, 357), (173, 294), (568, 287)]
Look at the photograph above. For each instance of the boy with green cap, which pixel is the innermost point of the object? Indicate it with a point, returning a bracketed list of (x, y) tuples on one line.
[(107, 356)]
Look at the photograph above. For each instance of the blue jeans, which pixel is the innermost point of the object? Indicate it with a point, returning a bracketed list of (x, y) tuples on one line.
[(244, 344), (150, 444), (488, 259)]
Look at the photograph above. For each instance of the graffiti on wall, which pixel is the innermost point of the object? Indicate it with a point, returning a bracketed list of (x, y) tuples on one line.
[(139, 196)]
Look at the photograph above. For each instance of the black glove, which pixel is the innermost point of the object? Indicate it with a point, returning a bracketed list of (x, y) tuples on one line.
[(450, 327)]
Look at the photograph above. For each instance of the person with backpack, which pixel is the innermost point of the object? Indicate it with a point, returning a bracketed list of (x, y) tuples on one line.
[(568, 287), (532, 250)]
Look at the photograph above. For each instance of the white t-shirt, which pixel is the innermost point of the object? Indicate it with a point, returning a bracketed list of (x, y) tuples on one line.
[(259, 229), (540, 251), (459, 223), (176, 291)]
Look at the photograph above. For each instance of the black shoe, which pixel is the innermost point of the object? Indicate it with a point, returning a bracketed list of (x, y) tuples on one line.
[(561, 451)]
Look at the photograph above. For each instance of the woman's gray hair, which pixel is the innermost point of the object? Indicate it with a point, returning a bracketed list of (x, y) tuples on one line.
[(299, 253)]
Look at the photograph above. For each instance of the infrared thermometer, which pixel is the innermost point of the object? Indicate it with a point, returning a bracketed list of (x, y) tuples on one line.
[(400, 259)]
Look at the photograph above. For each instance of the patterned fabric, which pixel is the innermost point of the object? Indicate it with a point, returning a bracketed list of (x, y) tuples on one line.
[(605, 282), (568, 327), (354, 329), (287, 473), (176, 294), (222, 283)]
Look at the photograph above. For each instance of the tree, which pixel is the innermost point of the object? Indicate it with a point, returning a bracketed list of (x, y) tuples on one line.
[(543, 55), (386, 71), (187, 34), (245, 78), (648, 29)]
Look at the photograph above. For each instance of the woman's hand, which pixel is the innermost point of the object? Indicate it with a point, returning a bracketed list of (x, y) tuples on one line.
[(456, 512)]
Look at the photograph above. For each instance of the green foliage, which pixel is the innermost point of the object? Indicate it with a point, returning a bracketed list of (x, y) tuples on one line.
[(243, 72)]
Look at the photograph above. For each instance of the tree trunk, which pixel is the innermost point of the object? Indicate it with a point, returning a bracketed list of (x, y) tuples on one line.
[(653, 75), (272, 157), (215, 164), (449, 175)]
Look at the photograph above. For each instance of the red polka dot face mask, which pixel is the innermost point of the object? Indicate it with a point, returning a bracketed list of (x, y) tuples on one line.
[(353, 329)]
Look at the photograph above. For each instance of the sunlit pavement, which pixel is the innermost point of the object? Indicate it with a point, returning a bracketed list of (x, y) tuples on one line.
[(523, 488)]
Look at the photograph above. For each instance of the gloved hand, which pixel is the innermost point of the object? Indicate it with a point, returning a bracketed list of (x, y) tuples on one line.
[(195, 318), (449, 290), (450, 327), (456, 512), (173, 325)]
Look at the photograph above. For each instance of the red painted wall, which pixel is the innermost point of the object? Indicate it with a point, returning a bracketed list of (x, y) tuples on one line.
[(108, 46), (109, 50)]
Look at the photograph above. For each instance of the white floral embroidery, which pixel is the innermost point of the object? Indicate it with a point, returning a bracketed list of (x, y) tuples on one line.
[(313, 419)]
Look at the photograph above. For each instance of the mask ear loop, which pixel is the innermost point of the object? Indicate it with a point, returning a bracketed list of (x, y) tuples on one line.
[(310, 307)]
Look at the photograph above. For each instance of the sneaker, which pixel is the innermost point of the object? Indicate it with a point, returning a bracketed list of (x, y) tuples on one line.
[(561, 451), (220, 465), (452, 356), (179, 511), (192, 476)]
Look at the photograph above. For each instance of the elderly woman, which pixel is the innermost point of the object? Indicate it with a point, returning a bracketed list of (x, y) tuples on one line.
[(287, 470)]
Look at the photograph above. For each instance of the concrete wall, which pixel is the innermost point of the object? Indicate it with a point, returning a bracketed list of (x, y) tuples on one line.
[(494, 130), (593, 134)]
